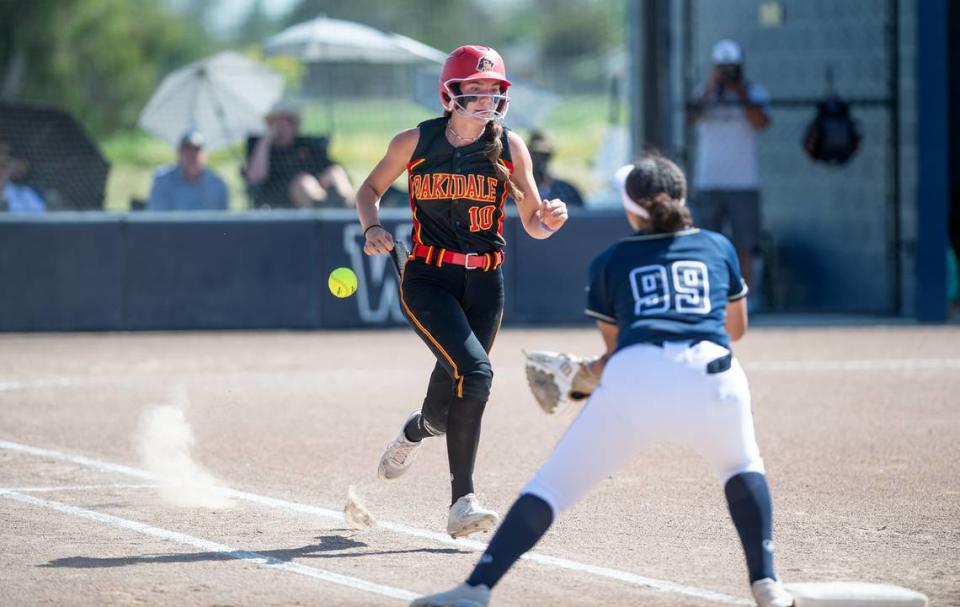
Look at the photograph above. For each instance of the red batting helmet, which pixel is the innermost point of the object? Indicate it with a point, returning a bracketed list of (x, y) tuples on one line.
[(472, 62)]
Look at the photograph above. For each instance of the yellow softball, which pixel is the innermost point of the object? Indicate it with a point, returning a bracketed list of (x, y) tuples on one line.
[(342, 282)]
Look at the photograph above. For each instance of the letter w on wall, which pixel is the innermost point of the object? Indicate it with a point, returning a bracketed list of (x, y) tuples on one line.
[(378, 291)]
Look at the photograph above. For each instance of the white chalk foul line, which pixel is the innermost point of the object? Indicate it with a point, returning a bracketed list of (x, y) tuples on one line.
[(202, 544), (75, 488), (550, 561), (880, 364), (49, 382), (889, 364)]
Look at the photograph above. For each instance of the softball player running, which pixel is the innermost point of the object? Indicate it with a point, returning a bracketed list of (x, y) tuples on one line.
[(460, 166), (667, 300)]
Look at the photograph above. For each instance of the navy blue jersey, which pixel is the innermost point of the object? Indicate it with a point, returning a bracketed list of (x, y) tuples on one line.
[(666, 287)]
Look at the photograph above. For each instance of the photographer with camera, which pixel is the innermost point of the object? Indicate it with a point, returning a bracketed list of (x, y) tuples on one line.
[(729, 113)]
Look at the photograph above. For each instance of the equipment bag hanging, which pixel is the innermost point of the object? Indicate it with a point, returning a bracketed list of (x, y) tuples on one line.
[(833, 136)]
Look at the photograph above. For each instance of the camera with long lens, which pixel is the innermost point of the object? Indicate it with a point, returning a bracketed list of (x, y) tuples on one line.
[(731, 72)]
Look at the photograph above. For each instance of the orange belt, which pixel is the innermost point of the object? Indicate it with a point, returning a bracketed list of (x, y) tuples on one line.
[(471, 261)]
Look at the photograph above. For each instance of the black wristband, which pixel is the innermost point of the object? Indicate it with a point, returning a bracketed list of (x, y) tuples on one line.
[(376, 225)]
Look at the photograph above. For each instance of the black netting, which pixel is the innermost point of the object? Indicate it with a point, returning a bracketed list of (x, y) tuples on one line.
[(65, 164)]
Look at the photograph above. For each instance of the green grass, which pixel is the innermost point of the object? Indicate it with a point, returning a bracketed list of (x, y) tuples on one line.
[(362, 130), (577, 126)]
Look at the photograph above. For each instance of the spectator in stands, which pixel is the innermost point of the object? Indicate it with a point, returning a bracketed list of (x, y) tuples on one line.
[(188, 185), (15, 195), (541, 151), (729, 114), (289, 171)]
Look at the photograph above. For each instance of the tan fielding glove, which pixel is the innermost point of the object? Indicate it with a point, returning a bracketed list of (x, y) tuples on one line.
[(557, 377)]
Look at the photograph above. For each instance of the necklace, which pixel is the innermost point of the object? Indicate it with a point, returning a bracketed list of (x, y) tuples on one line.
[(464, 140)]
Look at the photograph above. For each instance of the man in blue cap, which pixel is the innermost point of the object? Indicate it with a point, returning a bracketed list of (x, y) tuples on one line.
[(188, 185)]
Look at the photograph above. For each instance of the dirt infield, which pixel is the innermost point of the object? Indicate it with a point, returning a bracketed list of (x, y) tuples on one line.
[(859, 428)]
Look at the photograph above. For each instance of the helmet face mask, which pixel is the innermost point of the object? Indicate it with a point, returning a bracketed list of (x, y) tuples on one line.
[(473, 63), (495, 109)]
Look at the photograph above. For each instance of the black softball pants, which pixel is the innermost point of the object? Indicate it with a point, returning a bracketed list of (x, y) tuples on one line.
[(457, 312)]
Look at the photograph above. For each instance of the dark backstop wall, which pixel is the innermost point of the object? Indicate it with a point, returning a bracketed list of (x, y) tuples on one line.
[(93, 271)]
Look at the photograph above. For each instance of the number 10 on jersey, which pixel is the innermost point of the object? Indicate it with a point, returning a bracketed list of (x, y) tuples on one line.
[(481, 218)]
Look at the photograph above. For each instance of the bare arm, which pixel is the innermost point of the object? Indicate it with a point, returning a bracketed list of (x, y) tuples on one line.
[(695, 111), (609, 332), (756, 115), (736, 322), (391, 166), (534, 213)]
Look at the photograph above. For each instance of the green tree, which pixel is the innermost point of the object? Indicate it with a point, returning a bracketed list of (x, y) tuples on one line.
[(577, 28), (98, 59), (256, 26)]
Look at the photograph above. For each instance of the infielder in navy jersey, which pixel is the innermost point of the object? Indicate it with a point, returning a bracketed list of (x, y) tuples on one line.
[(461, 167), (668, 300)]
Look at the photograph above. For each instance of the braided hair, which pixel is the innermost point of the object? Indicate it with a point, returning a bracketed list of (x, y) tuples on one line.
[(491, 134)]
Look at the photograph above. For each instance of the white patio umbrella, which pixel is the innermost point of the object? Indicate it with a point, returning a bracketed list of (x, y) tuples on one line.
[(324, 40), (224, 97), (335, 40)]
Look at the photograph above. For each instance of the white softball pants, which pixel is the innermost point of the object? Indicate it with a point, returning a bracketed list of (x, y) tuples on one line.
[(650, 393)]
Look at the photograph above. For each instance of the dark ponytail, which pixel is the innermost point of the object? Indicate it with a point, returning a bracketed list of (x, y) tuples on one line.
[(491, 134), (659, 186)]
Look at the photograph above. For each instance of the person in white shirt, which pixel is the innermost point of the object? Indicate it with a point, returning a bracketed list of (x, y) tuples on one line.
[(730, 114)]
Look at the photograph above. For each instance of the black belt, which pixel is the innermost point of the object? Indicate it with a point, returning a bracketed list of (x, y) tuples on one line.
[(719, 365)]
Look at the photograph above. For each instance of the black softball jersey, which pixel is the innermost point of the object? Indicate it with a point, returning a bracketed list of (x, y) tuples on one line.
[(457, 202)]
